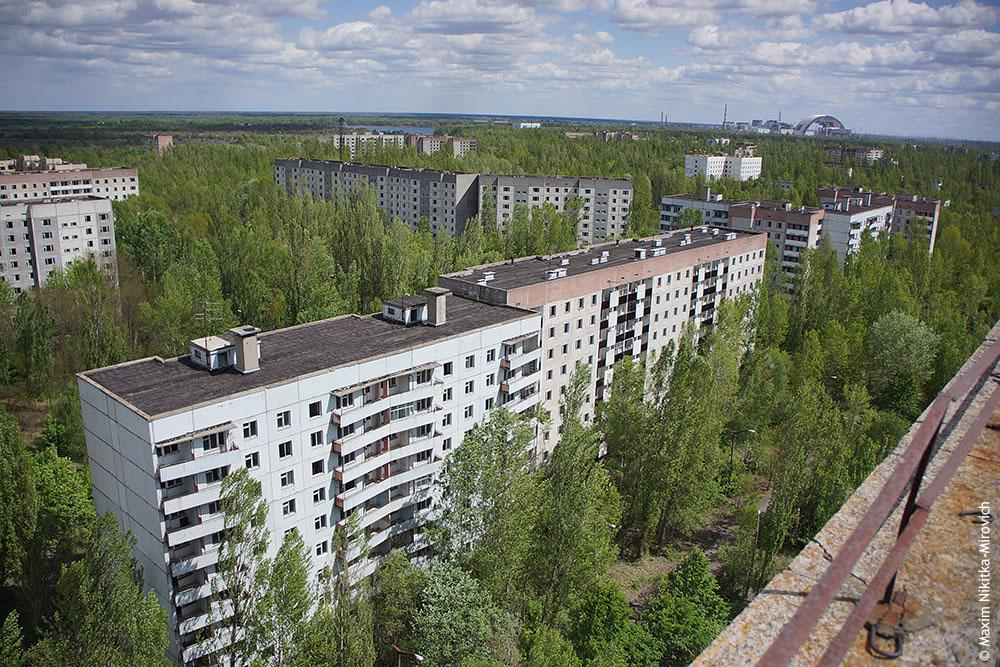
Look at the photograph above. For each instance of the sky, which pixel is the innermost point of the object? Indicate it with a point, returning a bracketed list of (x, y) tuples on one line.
[(890, 66)]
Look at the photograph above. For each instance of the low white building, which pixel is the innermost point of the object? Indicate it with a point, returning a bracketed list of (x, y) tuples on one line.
[(341, 416)]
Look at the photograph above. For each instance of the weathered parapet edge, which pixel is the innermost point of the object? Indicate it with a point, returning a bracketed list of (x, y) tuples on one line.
[(750, 634)]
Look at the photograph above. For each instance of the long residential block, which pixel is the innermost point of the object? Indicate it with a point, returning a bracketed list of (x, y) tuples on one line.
[(30, 177), (358, 414), (447, 199), (352, 414), (617, 300)]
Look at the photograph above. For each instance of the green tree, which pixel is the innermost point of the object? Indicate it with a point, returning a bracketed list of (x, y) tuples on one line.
[(687, 612), (8, 333), (631, 457), (242, 570), (12, 653), (604, 633), (396, 600), (489, 493), (641, 217), (287, 602), (901, 360), (18, 499), (548, 648), (35, 329), (64, 520), (579, 513), (102, 615), (458, 618), (340, 632)]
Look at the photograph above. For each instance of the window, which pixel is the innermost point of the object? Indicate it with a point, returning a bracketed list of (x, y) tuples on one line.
[(448, 368), (288, 507), (250, 429), (470, 385), (321, 548), (285, 449), (468, 411), (252, 460), (287, 478), (489, 380), (215, 475), (317, 467), (446, 444), (212, 441), (315, 409), (491, 355), (284, 419), (319, 495), (166, 449), (447, 394), (320, 522), (489, 403), (213, 507), (470, 361), (447, 420), (316, 439)]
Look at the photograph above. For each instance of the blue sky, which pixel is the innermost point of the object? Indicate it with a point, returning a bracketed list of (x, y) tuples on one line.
[(894, 66)]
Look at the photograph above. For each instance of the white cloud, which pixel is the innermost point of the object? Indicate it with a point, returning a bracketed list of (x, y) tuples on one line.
[(901, 17)]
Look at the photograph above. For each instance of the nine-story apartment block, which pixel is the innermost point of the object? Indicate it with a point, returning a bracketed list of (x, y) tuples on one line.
[(447, 199), (53, 213), (341, 416), (357, 414)]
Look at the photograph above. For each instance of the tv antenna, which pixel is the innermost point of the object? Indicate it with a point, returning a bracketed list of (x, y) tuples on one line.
[(208, 318), (343, 126)]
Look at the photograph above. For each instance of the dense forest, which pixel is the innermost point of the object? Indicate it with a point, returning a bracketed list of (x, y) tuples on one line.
[(824, 379)]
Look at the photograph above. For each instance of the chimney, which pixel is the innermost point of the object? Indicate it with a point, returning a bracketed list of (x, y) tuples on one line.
[(247, 350), (708, 194), (436, 299)]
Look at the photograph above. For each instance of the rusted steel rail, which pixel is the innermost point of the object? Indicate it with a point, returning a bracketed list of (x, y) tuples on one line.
[(798, 628)]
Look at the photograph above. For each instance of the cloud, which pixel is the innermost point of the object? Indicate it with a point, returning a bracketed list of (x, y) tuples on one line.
[(462, 17), (901, 17)]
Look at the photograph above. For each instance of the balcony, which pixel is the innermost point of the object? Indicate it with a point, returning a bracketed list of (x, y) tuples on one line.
[(368, 408), (202, 462), (360, 495), (363, 437), (196, 529), (519, 381)]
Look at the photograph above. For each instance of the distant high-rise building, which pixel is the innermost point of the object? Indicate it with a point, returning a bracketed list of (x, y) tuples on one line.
[(42, 235), (447, 199), (430, 144), (32, 177), (355, 142), (53, 213), (711, 167), (161, 142), (909, 212)]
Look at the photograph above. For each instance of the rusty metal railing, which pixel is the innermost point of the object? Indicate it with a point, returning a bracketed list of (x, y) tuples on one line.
[(911, 467)]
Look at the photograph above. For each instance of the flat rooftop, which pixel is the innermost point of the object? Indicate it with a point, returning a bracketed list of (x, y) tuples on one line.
[(158, 386), (531, 270), (52, 200), (427, 170), (702, 198)]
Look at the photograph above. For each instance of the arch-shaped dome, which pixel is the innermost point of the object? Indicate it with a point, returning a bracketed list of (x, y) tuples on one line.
[(818, 124)]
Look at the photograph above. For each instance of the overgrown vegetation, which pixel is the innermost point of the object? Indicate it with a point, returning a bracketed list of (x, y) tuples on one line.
[(825, 379)]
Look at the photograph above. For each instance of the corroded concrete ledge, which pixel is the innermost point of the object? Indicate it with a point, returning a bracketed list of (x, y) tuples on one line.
[(929, 574)]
